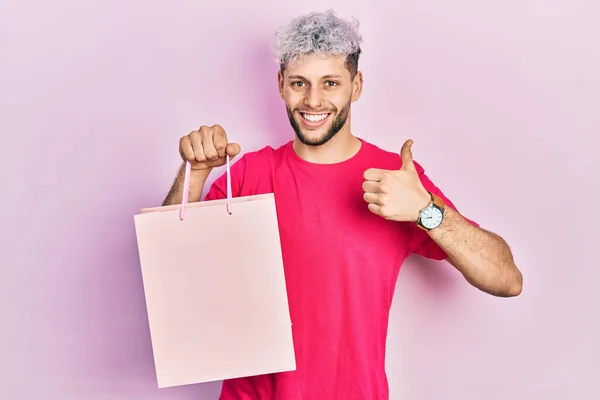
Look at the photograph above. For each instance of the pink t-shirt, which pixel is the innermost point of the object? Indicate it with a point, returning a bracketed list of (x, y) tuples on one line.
[(341, 265)]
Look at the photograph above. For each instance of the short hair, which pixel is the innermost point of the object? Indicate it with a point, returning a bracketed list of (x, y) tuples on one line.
[(319, 33)]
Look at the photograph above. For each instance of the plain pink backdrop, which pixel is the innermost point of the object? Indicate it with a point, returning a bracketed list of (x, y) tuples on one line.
[(501, 98)]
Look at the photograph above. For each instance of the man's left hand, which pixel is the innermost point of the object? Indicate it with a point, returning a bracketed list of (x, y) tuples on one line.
[(396, 195)]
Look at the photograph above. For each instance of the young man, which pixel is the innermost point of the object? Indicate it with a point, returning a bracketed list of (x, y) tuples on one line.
[(349, 214)]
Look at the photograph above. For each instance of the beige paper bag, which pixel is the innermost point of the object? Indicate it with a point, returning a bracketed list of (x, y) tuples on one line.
[(215, 289)]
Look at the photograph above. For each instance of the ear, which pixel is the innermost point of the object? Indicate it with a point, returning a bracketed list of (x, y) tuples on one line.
[(357, 86), (280, 82)]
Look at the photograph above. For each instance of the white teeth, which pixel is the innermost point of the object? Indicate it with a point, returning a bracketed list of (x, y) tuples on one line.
[(315, 117)]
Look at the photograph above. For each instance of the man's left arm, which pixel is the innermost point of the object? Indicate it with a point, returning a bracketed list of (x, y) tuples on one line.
[(484, 258)]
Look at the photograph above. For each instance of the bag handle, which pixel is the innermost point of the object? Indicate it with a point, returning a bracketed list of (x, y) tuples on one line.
[(186, 187)]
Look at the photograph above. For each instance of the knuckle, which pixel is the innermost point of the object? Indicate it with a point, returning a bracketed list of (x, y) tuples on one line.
[(185, 147), (211, 155), (220, 141), (200, 157), (220, 135), (205, 131), (193, 135), (218, 130)]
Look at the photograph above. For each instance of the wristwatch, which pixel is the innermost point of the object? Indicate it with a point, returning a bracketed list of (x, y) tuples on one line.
[(432, 215)]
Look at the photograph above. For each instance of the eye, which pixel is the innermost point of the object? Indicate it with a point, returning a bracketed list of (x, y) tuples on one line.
[(331, 84), (297, 84)]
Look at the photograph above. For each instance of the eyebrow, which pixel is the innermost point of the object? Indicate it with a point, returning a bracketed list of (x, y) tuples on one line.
[(332, 76)]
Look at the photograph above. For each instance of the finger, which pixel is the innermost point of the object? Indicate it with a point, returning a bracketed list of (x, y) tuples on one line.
[(219, 140), (186, 150), (370, 186), (406, 155), (375, 208), (371, 198), (374, 174), (208, 145), (233, 149), (198, 149)]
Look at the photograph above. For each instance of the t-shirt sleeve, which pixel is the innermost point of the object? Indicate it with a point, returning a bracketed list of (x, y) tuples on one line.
[(421, 243), (218, 190)]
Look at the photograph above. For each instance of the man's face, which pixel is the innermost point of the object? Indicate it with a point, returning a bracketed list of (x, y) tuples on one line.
[(318, 92)]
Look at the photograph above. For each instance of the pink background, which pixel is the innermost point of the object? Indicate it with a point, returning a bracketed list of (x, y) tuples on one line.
[(501, 98)]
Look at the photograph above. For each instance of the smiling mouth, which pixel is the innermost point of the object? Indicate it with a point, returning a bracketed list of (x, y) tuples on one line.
[(314, 119)]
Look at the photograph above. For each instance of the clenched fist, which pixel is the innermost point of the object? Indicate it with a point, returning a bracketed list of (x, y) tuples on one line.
[(206, 148)]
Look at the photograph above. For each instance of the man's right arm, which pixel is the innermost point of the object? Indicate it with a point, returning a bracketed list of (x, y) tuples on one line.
[(197, 181), (205, 149)]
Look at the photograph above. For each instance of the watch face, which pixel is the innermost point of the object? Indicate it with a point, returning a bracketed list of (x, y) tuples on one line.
[(431, 217)]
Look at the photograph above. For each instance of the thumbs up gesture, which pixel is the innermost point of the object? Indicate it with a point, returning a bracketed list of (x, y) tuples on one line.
[(396, 195)]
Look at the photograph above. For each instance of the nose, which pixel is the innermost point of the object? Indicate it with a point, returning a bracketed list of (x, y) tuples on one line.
[(314, 97)]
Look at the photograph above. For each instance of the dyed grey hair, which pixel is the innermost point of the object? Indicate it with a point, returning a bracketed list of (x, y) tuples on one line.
[(319, 33)]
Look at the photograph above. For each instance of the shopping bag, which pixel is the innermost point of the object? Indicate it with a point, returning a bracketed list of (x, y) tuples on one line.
[(215, 289)]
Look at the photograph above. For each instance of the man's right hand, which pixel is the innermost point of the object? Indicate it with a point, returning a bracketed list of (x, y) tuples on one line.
[(206, 148)]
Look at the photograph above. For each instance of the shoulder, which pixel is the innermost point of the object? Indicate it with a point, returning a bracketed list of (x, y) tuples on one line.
[(265, 157), (257, 160), (251, 173), (262, 155), (386, 159)]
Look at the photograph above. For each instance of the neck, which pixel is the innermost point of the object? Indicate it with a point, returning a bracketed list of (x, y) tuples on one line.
[(341, 147)]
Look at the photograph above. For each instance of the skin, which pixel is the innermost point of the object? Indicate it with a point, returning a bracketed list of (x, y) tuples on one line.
[(317, 85), (483, 258), (314, 85)]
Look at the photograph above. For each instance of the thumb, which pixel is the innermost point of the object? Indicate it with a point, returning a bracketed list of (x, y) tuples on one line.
[(233, 149), (406, 155)]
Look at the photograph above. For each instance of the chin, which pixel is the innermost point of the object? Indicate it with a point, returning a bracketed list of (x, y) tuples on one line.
[(314, 138), (316, 131)]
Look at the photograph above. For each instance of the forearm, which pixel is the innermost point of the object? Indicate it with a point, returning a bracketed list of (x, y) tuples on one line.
[(483, 257), (197, 181)]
